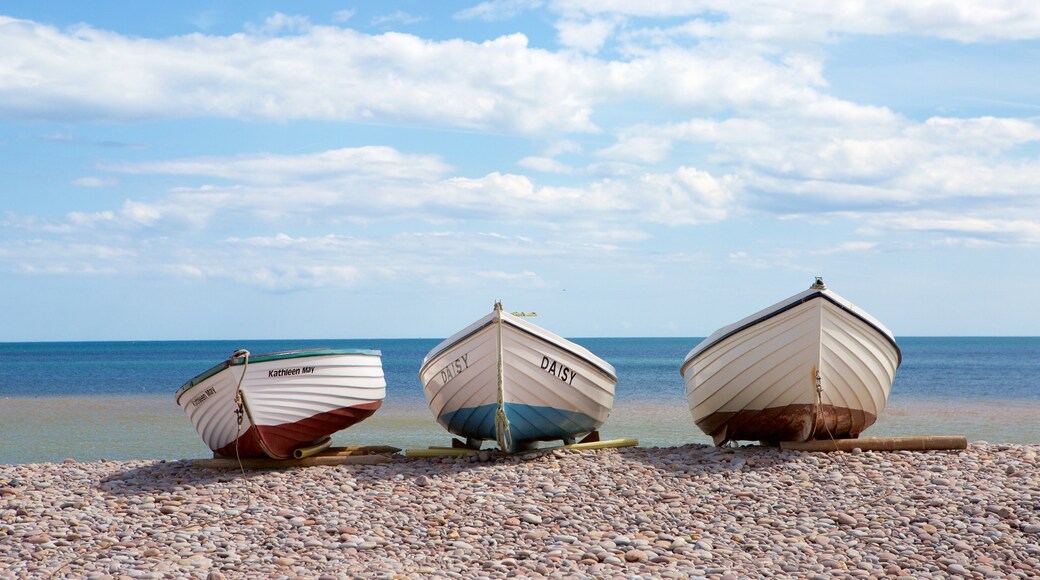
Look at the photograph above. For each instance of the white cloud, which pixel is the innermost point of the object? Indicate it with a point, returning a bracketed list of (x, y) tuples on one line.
[(563, 146), (305, 72), (343, 15), (83, 219), (93, 181), (497, 10), (818, 20), (846, 248), (55, 257), (638, 148), (290, 69), (372, 184), (689, 196), (280, 23), (544, 165), (283, 278), (586, 36), (382, 163), (396, 17), (992, 230)]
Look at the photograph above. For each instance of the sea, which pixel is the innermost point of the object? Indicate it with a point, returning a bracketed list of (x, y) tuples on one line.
[(89, 401)]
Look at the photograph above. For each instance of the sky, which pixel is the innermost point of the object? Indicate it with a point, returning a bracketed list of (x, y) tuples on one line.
[(223, 170)]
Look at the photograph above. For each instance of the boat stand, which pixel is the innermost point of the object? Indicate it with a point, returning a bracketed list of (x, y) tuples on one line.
[(923, 443), (352, 455), (460, 449)]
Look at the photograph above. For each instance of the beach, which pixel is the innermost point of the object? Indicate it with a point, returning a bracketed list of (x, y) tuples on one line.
[(687, 511)]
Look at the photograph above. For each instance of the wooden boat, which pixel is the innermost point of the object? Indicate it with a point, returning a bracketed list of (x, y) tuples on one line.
[(813, 366), (505, 379), (280, 405)]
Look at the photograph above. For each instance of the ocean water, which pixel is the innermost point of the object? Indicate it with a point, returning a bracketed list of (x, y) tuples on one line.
[(115, 400)]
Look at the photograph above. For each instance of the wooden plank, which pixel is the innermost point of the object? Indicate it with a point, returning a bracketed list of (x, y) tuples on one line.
[(315, 460), (456, 452), (924, 443), (439, 452), (610, 443), (359, 450), (350, 455)]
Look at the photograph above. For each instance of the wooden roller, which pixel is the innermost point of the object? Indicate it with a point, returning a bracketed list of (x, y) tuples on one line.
[(923, 443)]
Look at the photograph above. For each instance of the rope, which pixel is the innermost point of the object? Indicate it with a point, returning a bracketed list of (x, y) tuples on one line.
[(839, 456), (240, 404), (817, 403), (505, 438), (502, 431)]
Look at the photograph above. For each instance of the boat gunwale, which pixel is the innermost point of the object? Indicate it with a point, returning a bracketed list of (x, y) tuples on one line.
[(602, 366), (705, 345), (268, 357)]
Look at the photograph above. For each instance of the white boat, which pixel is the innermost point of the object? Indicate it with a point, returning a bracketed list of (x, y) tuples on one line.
[(281, 405), (813, 366), (505, 379)]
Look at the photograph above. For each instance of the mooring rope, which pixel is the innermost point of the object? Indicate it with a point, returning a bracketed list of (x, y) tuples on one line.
[(240, 403), (843, 461), (502, 431)]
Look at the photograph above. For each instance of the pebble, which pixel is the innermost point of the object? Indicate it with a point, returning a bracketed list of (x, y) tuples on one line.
[(691, 511), (636, 556), (846, 519), (531, 518)]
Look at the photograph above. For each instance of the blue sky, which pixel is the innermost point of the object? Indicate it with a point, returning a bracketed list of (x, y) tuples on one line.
[(359, 170)]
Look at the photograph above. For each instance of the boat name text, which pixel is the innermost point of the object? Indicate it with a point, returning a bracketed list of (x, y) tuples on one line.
[(199, 399), (558, 370), (454, 368), (290, 372)]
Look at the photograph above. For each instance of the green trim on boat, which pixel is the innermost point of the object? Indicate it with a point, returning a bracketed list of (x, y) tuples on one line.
[(270, 356)]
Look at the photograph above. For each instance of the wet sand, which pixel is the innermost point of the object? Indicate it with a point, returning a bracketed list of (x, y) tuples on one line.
[(52, 429)]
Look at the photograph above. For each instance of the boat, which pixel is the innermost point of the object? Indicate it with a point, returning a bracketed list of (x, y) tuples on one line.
[(813, 366), (284, 404), (507, 380)]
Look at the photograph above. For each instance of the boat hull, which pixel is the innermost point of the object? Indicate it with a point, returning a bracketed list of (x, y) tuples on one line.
[(811, 367), (552, 389), (290, 400)]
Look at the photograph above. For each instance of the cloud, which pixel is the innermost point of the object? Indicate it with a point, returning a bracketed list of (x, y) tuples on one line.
[(382, 183), (343, 15), (498, 10), (563, 146), (846, 248), (290, 69), (544, 165), (90, 220), (588, 35), (724, 112), (395, 17), (638, 148), (93, 181), (997, 231), (55, 257), (379, 162), (819, 20)]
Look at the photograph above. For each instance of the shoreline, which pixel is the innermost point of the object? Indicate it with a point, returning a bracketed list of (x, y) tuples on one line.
[(693, 510), (88, 428)]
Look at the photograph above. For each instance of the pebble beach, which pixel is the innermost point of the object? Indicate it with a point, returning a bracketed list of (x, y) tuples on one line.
[(691, 511)]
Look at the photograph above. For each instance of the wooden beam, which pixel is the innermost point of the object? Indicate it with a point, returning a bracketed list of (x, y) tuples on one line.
[(457, 452), (609, 443), (314, 460), (351, 455), (924, 443), (359, 450)]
